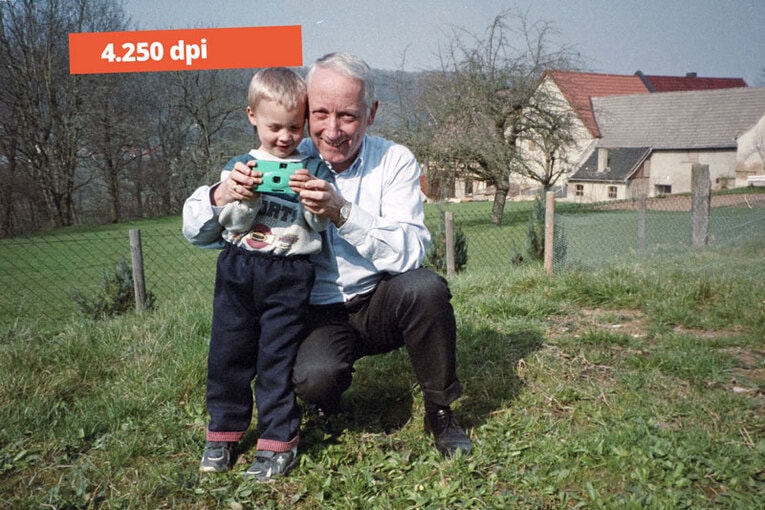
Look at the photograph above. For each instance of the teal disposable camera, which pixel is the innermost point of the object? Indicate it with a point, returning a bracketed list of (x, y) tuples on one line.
[(276, 175)]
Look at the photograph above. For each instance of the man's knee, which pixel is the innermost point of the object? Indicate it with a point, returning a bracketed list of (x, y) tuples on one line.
[(324, 363), (423, 286), (318, 380)]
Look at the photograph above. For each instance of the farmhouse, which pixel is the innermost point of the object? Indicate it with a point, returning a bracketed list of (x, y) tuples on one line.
[(578, 91), (649, 142), (596, 168)]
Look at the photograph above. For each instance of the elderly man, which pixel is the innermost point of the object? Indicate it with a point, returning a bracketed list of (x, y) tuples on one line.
[(371, 293)]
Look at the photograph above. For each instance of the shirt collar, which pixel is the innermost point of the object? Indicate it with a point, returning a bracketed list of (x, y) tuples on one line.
[(359, 161)]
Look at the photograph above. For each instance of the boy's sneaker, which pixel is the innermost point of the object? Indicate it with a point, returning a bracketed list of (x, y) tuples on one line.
[(268, 465), (217, 457)]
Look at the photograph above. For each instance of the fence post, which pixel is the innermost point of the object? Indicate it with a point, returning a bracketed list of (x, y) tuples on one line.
[(549, 231), (642, 223), (449, 227), (701, 189), (136, 256)]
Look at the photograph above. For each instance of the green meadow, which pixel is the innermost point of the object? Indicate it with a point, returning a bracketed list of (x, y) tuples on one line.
[(638, 384)]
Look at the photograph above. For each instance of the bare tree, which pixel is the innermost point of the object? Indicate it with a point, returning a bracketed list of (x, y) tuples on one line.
[(47, 102), (472, 114), (116, 132), (210, 98), (192, 125), (546, 139)]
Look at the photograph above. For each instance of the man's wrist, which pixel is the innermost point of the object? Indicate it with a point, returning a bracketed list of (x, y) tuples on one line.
[(343, 214)]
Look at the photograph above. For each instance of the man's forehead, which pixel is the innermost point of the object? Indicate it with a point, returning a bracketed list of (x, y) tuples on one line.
[(335, 99), (334, 81)]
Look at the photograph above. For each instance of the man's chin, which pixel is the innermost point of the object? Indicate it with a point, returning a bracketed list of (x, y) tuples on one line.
[(333, 156)]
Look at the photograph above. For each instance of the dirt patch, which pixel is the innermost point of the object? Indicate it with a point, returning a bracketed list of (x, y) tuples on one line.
[(748, 376), (627, 322), (750, 371)]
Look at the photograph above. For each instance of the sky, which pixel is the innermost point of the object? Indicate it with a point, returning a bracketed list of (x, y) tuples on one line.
[(720, 38)]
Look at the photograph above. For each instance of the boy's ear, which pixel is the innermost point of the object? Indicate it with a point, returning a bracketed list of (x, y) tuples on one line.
[(251, 116)]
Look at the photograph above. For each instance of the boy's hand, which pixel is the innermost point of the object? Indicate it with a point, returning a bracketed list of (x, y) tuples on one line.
[(239, 184), (298, 179)]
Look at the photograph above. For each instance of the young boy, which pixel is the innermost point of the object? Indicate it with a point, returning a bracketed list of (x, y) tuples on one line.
[(262, 287)]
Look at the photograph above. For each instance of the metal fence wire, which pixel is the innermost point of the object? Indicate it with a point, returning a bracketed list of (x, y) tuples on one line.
[(40, 273), (594, 235)]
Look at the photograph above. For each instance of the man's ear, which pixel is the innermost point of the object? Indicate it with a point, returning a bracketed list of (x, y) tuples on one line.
[(372, 112)]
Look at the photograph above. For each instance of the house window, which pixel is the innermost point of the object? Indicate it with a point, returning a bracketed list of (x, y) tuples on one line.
[(579, 190), (663, 189), (612, 192)]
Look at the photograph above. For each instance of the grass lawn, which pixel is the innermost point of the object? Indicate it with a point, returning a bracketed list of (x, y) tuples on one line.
[(635, 386)]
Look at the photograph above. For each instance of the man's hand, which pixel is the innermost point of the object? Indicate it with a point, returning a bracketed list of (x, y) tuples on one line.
[(317, 195), (238, 185)]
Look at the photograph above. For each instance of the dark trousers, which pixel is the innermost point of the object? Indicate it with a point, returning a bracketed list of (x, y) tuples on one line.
[(411, 309), (259, 312)]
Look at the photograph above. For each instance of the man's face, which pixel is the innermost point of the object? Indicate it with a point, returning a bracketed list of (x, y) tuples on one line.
[(338, 117)]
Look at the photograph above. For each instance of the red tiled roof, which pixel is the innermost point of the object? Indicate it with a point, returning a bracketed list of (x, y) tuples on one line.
[(578, 88), (692, 82)]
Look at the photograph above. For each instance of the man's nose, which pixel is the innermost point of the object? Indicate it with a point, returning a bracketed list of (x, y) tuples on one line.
[(333, 125)]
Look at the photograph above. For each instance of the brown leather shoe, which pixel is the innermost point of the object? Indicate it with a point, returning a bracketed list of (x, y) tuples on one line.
[(450, 437)]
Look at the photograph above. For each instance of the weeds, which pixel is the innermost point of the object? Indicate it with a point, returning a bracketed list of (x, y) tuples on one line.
[(115, 297)]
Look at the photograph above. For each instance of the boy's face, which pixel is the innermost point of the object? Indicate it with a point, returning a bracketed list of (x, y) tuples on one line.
[(279, 129)]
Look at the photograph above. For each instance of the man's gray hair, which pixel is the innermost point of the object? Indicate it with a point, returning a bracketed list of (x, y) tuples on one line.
[(351, 66)]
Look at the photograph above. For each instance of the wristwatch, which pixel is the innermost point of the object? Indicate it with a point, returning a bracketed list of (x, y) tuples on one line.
[(345, 212)]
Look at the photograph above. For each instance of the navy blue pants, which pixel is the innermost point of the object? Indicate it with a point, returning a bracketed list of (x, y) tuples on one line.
[(259, 312)]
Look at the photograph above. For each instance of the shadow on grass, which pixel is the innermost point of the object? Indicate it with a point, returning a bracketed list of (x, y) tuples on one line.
[(487, 366), (381, 398)]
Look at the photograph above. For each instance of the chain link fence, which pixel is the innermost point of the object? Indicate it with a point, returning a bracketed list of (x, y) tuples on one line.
[(595, 235), (40, 273)]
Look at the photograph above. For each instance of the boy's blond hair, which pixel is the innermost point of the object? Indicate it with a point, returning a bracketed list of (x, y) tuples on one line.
[(279, 84)]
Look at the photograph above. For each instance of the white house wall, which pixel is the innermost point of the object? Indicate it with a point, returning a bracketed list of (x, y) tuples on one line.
[(581, 135), (750, 159), (673, 169)]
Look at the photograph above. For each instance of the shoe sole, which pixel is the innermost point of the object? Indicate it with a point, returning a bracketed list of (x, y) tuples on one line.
[(206, 469)]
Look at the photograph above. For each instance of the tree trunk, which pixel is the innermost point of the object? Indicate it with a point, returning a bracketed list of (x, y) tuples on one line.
[(498, 209)]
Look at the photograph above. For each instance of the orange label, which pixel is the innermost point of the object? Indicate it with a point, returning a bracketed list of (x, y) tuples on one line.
[(184, 50)]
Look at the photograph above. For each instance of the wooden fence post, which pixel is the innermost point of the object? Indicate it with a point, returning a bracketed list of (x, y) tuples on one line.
[(136, 256), (449, 227), (701, 190), (549, 231), (642, 223)]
